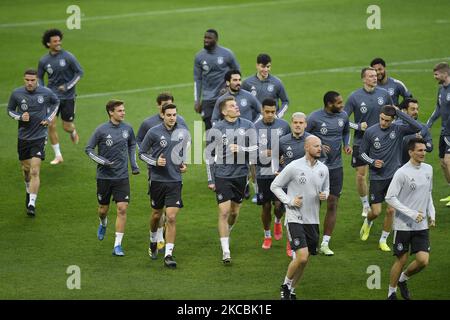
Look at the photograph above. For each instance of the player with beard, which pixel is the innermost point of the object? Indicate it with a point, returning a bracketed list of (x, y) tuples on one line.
[(331, 125), (249, 106), (395, 87), (307, 182), (210, 65)]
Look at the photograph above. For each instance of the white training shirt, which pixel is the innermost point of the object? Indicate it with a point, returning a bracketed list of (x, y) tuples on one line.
[(409, 193), (302, 179)]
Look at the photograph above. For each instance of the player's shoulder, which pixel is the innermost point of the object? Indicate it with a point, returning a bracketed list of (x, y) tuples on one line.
[(246, 94), (285, 138), (44, 90), (223, 50), (244, 123), (44, 58), (275, 79)]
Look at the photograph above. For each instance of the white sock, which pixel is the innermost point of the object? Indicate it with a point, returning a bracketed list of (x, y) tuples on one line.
[(365, 201), (292, 290), (169, 249), (294, 255), (32, 201), (403, 277), (160, 234), (384, 236), (267, 234), (325, 240), (288, 282), (154, 236), (119, 236), (57, 150), (103, 221), (27, 186), (392, 290), (225, 244)]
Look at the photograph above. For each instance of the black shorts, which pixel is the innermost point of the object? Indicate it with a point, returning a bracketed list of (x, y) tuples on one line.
[(230, 189), (28, 149), (378, 190), (67, 110), (303, 235), (207, 108), (336, 181), (356, 160), (419, 241), (444, 148), (165, 194), (264, 193), (118, 188)]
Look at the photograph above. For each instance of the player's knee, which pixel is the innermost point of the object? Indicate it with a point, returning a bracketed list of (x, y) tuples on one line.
[(422, 261), (34, 172), (171, 218), (122, 209)]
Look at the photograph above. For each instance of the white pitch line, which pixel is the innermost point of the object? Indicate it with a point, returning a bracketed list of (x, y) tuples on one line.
[(148, 13), (282, 75)]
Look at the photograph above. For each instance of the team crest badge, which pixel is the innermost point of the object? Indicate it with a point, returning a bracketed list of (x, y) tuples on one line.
[(448, 96), (243, 102), (62, 62), (340, 123), (241, 131), (125, 134), (219, 196), (363, 109), (391, 91), (270, 88), (219, 60), (296, 242), (380, 101), (399, 246), (392, 135), (49, 69), (280, 132), (40, 99)]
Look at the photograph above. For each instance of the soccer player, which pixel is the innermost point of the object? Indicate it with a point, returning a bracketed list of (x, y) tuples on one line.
[(381, 149), (64, 72), (269, 130), (116, 145), (442, 76), (410, 194), (331, 125), (33, 107), (232, 146), (307, 183), (411, 107), (365, 103), (164, 150), (210, 65), (395, 87), (249, 106), (152, 121), (292, 145), (264, 85)]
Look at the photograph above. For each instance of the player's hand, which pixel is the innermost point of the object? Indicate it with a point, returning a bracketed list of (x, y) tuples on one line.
[(212, 186), (348, 150), (418, 135), (62, 88), (282, 160), (268, 153), (109, 164), (322, 196), (431, 222), (297, 202), (276, 173), (161, 161), (234, 147), (326, 148), (183, 168), (419, 217), (25, 117), (378, 164), (363, 126), (44, 123), (135, 171), (198, 107)]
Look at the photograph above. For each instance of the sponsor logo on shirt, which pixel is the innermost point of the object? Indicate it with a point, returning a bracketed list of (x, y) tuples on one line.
[(280, 132), (363, 108), (23, 105), (340, 123), (448, 96), (377, 144), (323, 129)]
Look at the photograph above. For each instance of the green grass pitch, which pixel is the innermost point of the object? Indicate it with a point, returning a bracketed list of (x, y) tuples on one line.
[(133, 50)]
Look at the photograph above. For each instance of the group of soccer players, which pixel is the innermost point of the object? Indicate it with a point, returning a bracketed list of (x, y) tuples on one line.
[(294, 165)]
